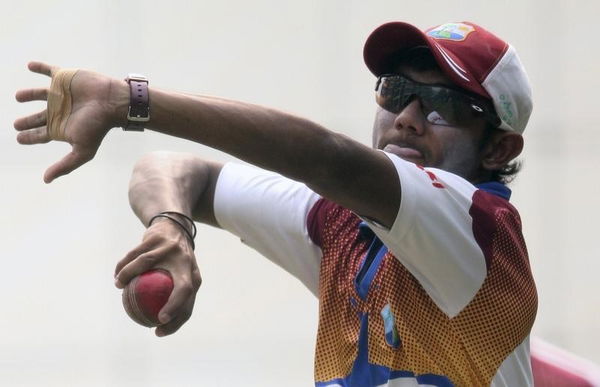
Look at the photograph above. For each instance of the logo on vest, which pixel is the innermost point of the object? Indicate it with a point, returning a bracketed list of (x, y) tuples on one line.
[(389, 325), (451, 31)]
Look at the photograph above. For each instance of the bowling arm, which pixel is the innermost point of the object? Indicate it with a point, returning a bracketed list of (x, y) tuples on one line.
[(183, 183)]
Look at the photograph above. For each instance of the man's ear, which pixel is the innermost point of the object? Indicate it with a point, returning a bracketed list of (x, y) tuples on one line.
[(503, 147)]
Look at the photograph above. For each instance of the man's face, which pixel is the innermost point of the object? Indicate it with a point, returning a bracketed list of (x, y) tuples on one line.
[(412, 137)]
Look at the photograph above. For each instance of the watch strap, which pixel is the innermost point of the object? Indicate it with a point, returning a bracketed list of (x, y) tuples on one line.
[(139, 102)]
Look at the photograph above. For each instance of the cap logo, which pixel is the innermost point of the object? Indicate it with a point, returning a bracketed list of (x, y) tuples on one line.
[(451, 31), (507, 114)]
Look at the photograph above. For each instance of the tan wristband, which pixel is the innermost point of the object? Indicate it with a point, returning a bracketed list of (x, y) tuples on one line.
[(59, 103)]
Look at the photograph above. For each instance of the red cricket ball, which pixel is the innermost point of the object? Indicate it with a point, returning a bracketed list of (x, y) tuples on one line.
[(145, 295)]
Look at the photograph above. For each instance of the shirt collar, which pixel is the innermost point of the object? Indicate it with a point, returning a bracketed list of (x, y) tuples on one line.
[(495, 188)]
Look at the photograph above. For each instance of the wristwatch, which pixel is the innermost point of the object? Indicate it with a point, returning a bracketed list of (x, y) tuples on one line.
[(139, 102)]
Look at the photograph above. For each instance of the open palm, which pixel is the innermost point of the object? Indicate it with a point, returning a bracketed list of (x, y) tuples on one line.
[(81, 115)]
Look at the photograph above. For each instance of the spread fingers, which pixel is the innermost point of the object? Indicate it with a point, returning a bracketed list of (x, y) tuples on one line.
[(42, 68), (37, 94), (33, 121), (33, 136)]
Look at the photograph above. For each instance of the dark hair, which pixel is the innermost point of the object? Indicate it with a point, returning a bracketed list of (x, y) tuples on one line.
[(420, 58), (508, 173)]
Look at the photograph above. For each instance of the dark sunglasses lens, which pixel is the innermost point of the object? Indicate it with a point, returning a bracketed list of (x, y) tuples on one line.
[(438, 107), (441, 105), (456, 108), (391, 94)]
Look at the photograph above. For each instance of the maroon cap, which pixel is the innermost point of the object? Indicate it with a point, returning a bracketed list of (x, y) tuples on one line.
[(472, 57)]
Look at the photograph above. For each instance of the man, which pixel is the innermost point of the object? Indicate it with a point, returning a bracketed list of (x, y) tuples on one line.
[(412, 247)]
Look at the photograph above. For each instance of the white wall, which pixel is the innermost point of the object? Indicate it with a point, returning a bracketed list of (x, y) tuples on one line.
[(62, 321)]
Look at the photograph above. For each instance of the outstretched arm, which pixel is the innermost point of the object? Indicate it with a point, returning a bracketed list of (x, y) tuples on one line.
[(333, 165), (165, 181)]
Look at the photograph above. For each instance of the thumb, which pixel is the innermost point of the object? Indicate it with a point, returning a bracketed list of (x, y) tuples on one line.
[(67, 164)]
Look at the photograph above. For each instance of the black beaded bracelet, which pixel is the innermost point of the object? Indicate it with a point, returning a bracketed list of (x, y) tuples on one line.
[(168, 215)]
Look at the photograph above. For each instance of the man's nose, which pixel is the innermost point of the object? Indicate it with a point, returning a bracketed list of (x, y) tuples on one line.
[(411, 118)]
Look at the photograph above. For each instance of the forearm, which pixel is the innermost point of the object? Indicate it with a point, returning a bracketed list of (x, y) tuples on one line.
[(164, 181), (270, 139)]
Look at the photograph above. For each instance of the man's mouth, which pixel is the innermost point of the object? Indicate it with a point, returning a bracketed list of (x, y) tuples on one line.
[(404, 152)]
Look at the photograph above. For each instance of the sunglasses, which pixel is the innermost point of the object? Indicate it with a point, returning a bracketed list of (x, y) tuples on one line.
[(440, 105)]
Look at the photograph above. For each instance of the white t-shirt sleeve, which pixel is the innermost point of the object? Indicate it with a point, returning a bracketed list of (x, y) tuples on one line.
[(432, 235), (269, 212)]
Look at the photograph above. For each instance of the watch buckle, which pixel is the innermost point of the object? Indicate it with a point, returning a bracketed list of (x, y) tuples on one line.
[(138, 118)]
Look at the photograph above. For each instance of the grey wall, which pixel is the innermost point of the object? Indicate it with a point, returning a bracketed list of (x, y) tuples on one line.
[(62, 321)]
